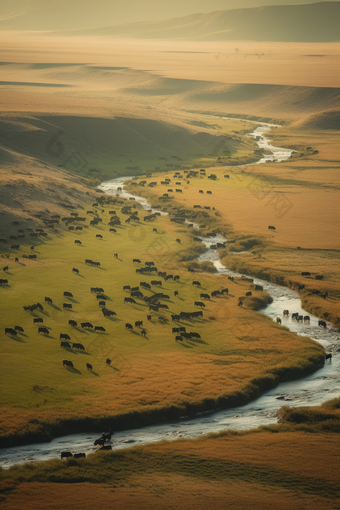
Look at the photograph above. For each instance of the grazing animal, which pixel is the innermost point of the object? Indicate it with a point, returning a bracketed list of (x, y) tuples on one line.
[(129, 300), (68, 294), (196, 283), (112, 230), (209, 192), (3, 282), (182, 329), (322, 324), (37, 320), (65, 344), (108, 313), (328, 356), (249, 293), (78, 346), (175, 330), (199, 303), (16, 259), (191, 270), (143, 332), (126, 287), (205, 296), (19, 328), (86, 325), (115, 255), (102, 303), (65, 455), (106, 446), (99, 328), (176, 293), (306, 318), (178, 338), (88, 366), (278, 320), (305, 273), (137, 261), (286, 313), (48, 300), (75, 270), (138, 324), (79, 455), (176, 277), (128, 326), (67, 306), (5, 268), (72, 323), (156, 282), (43, 330), (175, 317), (148, 317), (77, 241), (108, 361), (99, 236), (195, 335), (178, 241), (271, 227), (145, 285), (64, 336), (10, 331), (295, 316)]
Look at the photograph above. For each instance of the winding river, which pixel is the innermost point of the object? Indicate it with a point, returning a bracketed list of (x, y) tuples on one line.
[(311, 390)]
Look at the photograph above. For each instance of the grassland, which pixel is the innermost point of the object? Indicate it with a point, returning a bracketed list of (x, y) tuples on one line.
[(150, 378), (273, 466)]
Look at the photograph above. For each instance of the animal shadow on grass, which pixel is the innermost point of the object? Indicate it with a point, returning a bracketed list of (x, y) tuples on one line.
[(182, 344), (94, 373), (23, 334), (17, 339), (21, 264), (80, 275), (45, 313), (114, 368), (102, 268), (107, 298), (55, 307), (8, 273), (72, 300), (74, 370), (198, 341)]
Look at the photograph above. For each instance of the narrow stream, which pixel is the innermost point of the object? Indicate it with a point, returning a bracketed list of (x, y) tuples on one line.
[(311, 390)]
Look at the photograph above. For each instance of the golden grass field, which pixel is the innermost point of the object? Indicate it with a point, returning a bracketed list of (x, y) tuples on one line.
[(129, 103)]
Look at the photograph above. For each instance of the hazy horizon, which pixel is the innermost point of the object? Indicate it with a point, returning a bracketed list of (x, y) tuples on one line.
[(79, 14)]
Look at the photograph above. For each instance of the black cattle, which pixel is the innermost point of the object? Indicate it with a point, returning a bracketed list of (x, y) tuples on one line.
[(175, 317), (154, 308), (88, 366), (271, 227), (65, 455), (178, 240), (205, 296), (97, 289), (178, 338), (169, 277), (306, 318), (3, 282), (197, 283), (199, 303), (149, 264), (195, 335), (128, 326), (162, 274), (68, 294), (137, 261), (112, 230), (126, 287), (278, 320), (102, 303), (145, 285), (19, 328), (10, 331), (175, 330), (148, 317), (48, 300), (156, 282), (115, 255), (215, 293), (108, 361), (176, 293), (43, 330), (319, 276), (249, 293), (32, 257), (200, 191), (15, 246), (163, 306), (182, 329), (99, 328), (72, 323), (138, 324), (5, 268), (301, 287), (99, 236), (191, 270), (197, 314), (108, 313), (86, 325), (154, 230), (129, 300), (77, 240), (65, 344), (328, 356), (143, 332), (305, 273), (106, 447), (134, 289), (176, 277), (16, 259), (67, 306), (101, 296), (64, 336), (209, 192), (295, 316), (79, 455), (78, 346), (37, 320), (322, 324)]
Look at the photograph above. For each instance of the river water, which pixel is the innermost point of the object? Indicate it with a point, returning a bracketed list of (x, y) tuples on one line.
[(311, 390)]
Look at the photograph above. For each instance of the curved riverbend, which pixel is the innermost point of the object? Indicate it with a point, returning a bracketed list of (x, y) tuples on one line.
[(311, 390)]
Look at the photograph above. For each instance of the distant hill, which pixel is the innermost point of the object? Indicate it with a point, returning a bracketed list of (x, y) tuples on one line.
[(318, 22)]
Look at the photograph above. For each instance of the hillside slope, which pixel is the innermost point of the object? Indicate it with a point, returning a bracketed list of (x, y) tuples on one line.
[(290, 23)]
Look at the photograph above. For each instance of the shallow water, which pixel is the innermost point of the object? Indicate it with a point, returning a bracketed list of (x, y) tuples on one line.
[(311, 390)]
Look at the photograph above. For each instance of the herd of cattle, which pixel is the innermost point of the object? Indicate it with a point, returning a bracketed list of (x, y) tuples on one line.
[(179, 215)]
